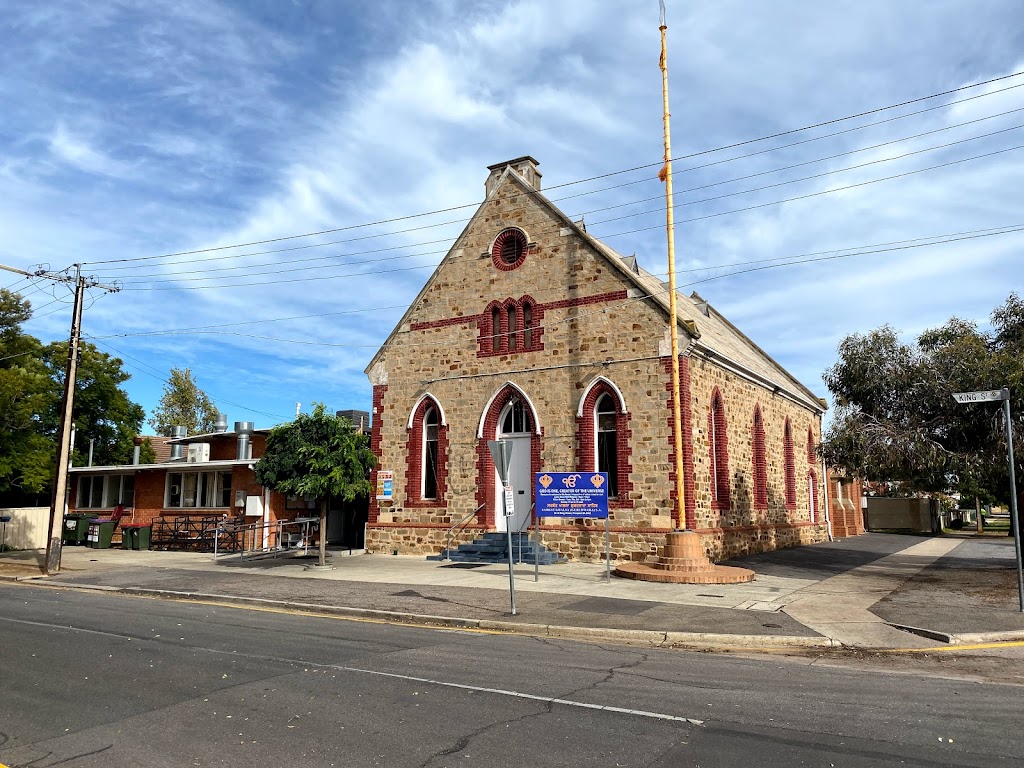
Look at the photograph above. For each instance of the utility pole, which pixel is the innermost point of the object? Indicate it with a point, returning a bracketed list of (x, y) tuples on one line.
[(53, 549)]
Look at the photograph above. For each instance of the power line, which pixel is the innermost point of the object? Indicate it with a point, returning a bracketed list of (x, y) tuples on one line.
[(660, 162), (809, 195), (170, 276), (165, 381), (834, 254)]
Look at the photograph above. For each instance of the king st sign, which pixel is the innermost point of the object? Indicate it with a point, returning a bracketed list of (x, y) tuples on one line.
[(984, 396)]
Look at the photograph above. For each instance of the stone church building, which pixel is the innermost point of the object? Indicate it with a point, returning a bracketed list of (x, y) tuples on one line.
[(532, 330)]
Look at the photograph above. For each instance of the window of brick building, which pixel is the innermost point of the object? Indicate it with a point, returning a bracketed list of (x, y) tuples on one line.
[(719, 452), (812, 454), (509, 249), (789, 466), (510, 326), (760, 461), (430, 424), (812, 494), (607, 443)]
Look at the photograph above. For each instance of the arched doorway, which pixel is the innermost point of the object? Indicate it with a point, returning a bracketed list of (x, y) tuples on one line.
[(515, 425)]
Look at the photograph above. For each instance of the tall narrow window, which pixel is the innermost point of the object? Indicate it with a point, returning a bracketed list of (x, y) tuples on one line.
[(430, 454), (495, 330), (607, 442), (789, 466), (512, 328), (760, 462), (812, 454), (812, 495), (527, 326), (718, 439), (515, 421)]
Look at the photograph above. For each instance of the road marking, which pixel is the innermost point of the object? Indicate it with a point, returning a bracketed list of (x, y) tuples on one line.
[(359, 670), (965, 647), (530, 696)]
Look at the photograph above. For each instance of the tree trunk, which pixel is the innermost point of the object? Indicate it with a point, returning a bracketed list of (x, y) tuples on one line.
[(323, 531)]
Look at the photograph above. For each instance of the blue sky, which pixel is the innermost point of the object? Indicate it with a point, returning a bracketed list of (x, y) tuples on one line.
[(133, 130)]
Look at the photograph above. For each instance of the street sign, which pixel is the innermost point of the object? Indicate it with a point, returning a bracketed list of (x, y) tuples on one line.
[(984, 396), (571, 494), (510, 501), (501, 452)]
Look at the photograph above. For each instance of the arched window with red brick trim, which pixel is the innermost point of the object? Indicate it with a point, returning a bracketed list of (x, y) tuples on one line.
[(812, 454), (760, 461), (427, 464), (510, 325), (789, 466), (603, 434), (812, 495), (718, 442)]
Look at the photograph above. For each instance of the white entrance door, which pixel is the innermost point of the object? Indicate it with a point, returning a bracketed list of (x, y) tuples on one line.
[(512, 427)]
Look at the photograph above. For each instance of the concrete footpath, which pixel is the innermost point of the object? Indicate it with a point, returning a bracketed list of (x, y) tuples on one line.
[(875, 591)]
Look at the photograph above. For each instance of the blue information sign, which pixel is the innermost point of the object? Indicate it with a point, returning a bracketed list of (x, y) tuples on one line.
[(571, 494)]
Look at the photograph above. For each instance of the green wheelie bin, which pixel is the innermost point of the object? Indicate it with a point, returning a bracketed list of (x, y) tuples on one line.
[(76, 527)]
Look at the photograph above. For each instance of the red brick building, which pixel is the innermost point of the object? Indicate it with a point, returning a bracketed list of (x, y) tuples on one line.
[(533, 331)]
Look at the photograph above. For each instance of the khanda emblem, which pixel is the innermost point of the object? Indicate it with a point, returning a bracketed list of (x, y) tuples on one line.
[(545, 480), (597, 480)]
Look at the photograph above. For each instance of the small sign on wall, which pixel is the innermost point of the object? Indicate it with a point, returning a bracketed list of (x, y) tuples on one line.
[(385, 484)]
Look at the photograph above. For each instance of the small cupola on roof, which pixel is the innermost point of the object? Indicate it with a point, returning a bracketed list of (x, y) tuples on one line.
[(525, 166)]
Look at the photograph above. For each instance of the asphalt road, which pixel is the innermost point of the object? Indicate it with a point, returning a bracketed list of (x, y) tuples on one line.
[(92, 679)]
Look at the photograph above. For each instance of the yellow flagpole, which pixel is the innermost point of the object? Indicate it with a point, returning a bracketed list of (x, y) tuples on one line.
[(673, 323)]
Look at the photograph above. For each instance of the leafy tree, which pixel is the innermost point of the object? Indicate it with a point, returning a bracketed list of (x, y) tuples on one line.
[(147, 454), (102, 411), (896, 419), (184, 404), (319, 455), (26, 452)]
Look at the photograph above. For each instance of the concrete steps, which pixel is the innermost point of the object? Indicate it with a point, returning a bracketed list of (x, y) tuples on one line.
[(493, 548)]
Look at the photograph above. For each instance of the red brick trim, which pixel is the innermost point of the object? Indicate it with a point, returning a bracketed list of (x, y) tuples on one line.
[(789, 466), (375, 446), (759, 459), (499, 243), (586, 445), (414, 459), (448, 321), (718, 451), (812, 455), (813, 506)]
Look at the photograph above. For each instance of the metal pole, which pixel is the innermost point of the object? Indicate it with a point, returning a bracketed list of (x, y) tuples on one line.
[(673, 322), (57, 508), (1013, 499), (536, 543), (608, 547), (508, 531)]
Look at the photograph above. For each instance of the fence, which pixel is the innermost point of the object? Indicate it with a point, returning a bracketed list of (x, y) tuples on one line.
[(265, 539)]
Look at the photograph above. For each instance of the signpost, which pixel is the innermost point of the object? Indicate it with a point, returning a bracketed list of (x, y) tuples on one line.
[(501, 452), (992, 395), (575, 494)]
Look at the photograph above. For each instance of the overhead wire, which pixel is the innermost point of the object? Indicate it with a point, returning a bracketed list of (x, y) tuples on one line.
[(806, 196), (169, 276), (660, 162)]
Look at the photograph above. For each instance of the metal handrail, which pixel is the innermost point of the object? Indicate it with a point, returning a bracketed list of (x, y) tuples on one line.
[(460, 524), (526, 523)]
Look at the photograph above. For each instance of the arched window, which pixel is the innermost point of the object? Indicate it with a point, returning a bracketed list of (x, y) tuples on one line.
[(812, 454), (812, 495), (527, 325), (607, 443), (515, 421), (426, 469), (789, 466), (495, 330), (512, 327), (430, 425), (719, 449), (760, 461)]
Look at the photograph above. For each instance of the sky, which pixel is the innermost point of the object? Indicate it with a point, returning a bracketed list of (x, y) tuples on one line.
[(184, 151)]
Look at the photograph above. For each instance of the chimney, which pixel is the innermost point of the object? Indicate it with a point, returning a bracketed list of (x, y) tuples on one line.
[(177, 448), (244, 449), (221, 424), (525, 166)]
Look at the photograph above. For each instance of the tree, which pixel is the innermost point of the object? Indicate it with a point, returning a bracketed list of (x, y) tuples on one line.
[(184, 404), (896, 419), (26, 391), (102, 412), (319, 455)]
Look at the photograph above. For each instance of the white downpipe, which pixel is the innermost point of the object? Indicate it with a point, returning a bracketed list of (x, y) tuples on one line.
[(825, 488), (266, 518)]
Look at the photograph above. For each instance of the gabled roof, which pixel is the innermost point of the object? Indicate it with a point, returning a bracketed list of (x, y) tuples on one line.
[(708, 331)]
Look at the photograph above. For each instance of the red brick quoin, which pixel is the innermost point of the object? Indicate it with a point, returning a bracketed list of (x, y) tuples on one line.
[(378, 418)]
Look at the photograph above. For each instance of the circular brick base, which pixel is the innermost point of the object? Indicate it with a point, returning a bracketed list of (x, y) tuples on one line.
[(682, 561)]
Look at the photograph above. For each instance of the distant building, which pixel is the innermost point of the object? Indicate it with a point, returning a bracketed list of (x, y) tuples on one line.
[(533, 331)]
